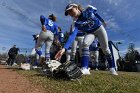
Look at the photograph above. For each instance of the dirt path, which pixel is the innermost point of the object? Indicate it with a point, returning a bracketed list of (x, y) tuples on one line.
[(12, 82)]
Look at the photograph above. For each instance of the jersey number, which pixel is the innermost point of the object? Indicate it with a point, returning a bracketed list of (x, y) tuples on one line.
[(50, 23)]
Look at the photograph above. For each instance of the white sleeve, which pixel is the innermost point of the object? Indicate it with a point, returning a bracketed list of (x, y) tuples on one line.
[(90, 6)]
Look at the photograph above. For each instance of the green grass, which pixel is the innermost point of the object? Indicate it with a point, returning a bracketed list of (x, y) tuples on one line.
[(97, 82)]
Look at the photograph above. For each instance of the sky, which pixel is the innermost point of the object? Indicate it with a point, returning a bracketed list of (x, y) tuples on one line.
[(19, 20)]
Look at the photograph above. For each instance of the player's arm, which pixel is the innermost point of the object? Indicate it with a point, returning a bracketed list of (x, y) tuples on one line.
[(67, 44), (71, 38), (100, 18), (93, 10), (42, 20)]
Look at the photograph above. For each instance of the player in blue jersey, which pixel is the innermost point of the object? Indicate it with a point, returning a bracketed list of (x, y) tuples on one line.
[(89, 21), (57, 43), (77, 43), (94, 54), (47, 35), (60, 35), (33, 52)]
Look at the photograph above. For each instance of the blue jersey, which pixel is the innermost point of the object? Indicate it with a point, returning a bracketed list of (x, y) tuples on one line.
[(80, 33), (94, 46), (61, 36), (50, 25), (88, 22)]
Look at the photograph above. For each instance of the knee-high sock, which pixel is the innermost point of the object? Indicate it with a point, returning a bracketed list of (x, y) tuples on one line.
[(85, 57), (39, 52), (110, 61)]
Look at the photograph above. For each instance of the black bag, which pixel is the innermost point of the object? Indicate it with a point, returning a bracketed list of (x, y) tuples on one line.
[(68, 70)]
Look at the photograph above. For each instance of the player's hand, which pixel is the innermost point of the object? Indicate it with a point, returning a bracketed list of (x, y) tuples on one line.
[(59, 54), (44, 28)]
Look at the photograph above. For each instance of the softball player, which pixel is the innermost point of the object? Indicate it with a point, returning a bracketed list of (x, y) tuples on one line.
[(33, 52), (47, 35), (94, 53), (60, 35), (88, 20), (57, 44), (77, 42)]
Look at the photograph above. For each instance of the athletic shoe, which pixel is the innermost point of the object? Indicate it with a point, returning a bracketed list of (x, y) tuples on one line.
[(34, 67), (96, 69), (14, 64), (113, 71), (85, 71)]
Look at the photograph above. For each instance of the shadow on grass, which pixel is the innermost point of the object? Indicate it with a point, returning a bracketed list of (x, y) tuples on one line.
[(50, 76)]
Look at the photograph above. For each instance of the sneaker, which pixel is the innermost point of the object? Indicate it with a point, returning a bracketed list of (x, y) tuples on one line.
[(85, 71), (34, 67), (15, 64), (113, 71), (96, 69)]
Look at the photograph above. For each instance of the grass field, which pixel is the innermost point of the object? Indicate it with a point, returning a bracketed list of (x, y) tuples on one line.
[(97, 82)]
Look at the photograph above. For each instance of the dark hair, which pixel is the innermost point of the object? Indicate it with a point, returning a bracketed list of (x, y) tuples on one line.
[(59, 29), (80, 8), (52, 17)]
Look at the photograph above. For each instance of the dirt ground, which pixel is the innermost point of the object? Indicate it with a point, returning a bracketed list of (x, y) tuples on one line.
[(12, 82)]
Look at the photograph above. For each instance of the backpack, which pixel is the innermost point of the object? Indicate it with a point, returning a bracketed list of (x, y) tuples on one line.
[(68, 70)]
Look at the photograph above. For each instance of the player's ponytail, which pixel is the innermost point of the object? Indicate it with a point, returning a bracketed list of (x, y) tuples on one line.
[(52, 17)]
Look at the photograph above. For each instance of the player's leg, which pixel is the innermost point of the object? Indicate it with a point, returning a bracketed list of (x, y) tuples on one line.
[(88, 39), (103, 39)]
